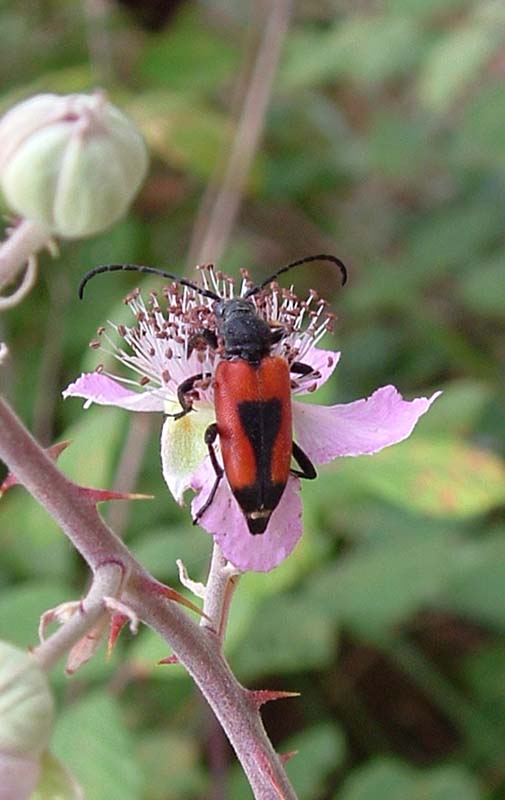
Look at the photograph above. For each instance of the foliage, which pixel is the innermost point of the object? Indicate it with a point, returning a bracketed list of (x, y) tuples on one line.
[(385, 144)]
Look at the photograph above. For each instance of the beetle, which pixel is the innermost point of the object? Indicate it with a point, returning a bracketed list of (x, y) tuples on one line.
[(252, 397)]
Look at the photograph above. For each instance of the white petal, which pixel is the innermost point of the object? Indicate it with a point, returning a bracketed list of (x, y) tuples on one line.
[(183, 448)]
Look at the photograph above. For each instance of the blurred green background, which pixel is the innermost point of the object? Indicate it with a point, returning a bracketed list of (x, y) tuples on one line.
[(385, 144)]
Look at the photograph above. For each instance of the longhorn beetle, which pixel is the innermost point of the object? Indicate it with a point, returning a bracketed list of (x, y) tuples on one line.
[(252, 397)]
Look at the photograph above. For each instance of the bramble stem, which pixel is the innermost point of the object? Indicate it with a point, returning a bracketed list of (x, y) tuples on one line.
[(197, 649), (106, 581)]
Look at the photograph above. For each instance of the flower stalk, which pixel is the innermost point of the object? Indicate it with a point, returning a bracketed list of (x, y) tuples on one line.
[(16, 251), (221, 583)]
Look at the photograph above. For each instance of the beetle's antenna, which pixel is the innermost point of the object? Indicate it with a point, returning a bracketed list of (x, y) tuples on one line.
[(151, 270), (340, 264)]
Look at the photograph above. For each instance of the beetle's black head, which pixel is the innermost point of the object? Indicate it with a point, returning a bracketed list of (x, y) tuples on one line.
[(245, 335), (236, 307)]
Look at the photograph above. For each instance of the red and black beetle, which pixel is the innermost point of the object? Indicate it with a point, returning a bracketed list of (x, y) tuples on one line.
[(252, 397)]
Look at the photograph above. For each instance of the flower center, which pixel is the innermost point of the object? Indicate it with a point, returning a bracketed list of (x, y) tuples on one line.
[(175, 338)]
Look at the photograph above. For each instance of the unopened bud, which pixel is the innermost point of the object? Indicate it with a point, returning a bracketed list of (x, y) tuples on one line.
[(70, 163), (26, 703), (26, 718)]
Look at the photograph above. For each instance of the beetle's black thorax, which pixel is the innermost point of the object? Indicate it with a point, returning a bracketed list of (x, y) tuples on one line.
[(245, 335)]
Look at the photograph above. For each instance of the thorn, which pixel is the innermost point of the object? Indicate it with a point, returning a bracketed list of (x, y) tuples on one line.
[(169, 660), (117, 624), (121, 614), (262, 696), (268, 770), (53, 452), (285, 757), (176, 597), (104, 495)]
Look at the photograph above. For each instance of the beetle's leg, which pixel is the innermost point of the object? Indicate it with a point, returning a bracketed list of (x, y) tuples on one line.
[(277, 334), (307, 469), (183, 390), (206, 337), (210, 438), (299, 368)]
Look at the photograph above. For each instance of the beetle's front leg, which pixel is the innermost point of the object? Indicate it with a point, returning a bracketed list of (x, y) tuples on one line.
[(183, 391)]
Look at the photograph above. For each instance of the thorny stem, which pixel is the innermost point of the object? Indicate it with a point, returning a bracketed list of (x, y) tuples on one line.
[(106, 581), (197, 649), (22, 242)]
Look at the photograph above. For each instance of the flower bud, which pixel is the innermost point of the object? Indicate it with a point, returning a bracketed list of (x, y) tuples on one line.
[(70, 163), (26, 703), (26, 718)]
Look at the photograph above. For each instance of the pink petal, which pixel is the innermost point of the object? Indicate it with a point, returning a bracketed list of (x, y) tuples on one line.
[(322, 361), (19, 776), (225, 521), (353, 429), (95, 387)]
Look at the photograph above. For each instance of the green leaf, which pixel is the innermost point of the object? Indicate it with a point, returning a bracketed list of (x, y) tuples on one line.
[(460, 408), (478, 591), (453, 64), (31, 541), (483, 672), (395, 147), (157, 551), (145, 653), (424, 8), (479, 137), (453, 235), (483, 289), (184, 133), (89, 460), (171, 765), (436, 477), (21, 607), (91, 737), (385, 779), (286, 635), (375, 588), (190, 57), (321, 751), (366, 48)]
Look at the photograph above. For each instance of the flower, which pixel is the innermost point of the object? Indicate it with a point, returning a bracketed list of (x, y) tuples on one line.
[(70, 163), (159, 349)]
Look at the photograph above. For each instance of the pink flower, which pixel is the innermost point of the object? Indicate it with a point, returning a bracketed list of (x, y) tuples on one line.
[(159, 351)]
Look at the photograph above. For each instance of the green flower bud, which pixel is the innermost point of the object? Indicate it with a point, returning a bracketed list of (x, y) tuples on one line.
[(26, 719), (70, 163), (26, 703)]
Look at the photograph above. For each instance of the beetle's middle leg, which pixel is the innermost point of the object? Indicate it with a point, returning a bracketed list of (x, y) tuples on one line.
[(307, 469), (210, 437)]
